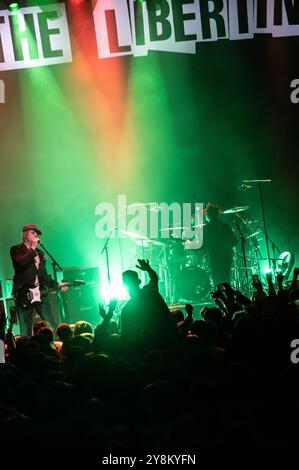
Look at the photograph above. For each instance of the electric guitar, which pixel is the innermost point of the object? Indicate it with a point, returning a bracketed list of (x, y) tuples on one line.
[(31, 295)]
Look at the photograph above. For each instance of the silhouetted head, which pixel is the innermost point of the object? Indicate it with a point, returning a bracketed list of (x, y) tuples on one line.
[(81, 327), (177, 315), (47, 333), (82, 342), (213, 314), (38, 325), (64, 332), (212, 211), (131, 281)]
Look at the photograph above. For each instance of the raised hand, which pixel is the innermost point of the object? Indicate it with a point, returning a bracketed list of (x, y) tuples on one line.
[(143, 265), (218, 294), (227, 288), (189, 309), (112, 305), (102, 311)]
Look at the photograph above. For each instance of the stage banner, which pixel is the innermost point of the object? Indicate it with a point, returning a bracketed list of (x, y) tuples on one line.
[(36, 36)]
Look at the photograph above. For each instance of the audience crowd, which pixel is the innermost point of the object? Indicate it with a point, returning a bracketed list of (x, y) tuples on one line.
[(157, 380)]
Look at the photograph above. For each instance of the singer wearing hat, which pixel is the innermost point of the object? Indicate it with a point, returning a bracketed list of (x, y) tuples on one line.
[(31, 280)]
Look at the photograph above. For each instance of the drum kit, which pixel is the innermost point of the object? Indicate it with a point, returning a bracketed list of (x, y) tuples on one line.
[(184, 271)]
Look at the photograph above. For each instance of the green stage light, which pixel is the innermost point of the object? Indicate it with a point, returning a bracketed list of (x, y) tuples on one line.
[(286, 263), (14, 6), (114, 291), (267, 271)]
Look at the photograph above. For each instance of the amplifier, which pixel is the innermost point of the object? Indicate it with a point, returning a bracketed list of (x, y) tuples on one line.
[(82, 303), (91, 276)]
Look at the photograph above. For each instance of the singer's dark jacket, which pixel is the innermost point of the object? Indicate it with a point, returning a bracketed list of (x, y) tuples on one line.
[(25, 269)]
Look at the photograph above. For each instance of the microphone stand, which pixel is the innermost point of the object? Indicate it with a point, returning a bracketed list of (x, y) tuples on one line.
[(243, 241), (55, 265), (106, 250), (259, 183)]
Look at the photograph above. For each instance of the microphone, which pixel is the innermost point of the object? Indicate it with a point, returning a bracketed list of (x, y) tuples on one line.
[(248, 184), (40, 243), (244, 187)]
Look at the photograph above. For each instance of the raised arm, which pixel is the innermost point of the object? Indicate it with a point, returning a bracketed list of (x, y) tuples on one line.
[(145, 266)]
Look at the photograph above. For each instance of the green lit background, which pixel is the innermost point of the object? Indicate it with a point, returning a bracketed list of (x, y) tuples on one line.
[(166, 127)]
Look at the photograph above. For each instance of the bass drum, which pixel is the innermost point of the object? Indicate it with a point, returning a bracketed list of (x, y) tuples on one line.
[(193, 284)]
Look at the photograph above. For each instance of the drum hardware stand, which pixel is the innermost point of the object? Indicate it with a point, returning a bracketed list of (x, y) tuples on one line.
[(243, 241), (275, 258), (235, 270)]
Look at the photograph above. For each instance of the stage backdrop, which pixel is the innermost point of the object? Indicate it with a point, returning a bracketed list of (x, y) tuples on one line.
[(157, 100)]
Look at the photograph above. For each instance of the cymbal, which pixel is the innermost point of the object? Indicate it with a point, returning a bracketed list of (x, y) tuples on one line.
[(141, 239), (254, 234), (143, 243), (148, 206), (147, 242), (167, 229), (134, 234), (233, 210)]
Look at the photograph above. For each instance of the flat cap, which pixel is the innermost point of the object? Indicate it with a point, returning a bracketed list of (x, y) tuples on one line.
[(32, 227)]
